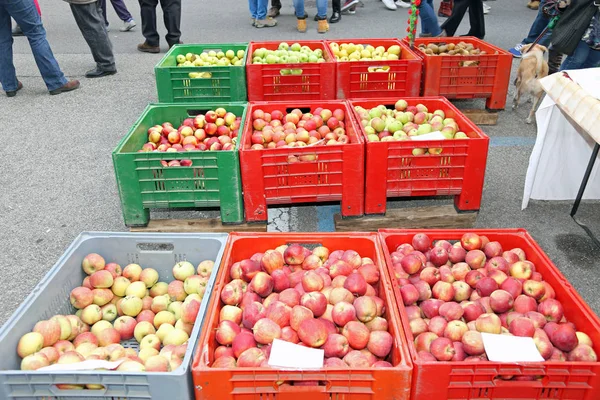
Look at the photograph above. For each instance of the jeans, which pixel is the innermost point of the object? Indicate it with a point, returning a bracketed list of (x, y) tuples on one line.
[(91, 24), (429, 21), (258, 8), (120, 9), (27, 17), (583, 57), (476, 19), (321, 8), (539, 24), (171, 17)]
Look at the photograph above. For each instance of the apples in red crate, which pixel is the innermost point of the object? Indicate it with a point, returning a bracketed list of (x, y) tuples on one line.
[(475, 285), (213, 131), (319, 127)]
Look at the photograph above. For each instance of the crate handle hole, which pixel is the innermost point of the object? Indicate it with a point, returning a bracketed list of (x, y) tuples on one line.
[(468, 63), (319, 386), (310, 246), (166, 247), (197, 111), (379, 68), (62, 389), (303, 109), (290, 71)]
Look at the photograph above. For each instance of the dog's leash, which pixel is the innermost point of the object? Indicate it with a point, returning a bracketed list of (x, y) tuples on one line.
[(551, 9)]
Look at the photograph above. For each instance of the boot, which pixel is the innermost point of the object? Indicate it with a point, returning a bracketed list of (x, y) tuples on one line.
[(554, 61), (323, 26), (534, 5), (301, 25)]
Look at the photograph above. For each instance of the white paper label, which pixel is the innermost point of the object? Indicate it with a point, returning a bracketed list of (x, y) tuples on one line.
[(83, 366), (286, 355), (505, 348), (437, 135)]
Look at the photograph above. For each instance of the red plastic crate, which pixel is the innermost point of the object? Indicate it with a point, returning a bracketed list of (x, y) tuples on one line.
[(393, 171), (266, 82), (356, 80), (470, 381), (272, 384), (447, 76), (336, 175)]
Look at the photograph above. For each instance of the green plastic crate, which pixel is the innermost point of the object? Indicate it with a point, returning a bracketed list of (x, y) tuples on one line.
[(226, 84), (213, 180)]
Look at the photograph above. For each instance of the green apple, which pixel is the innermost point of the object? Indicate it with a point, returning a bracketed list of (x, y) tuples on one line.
[(373, 138), (296, 47), (395, 126), (180, 58), (423, 129), (283, 46)]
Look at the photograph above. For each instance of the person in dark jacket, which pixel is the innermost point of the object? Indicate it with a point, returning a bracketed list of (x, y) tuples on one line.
[(577, 34), (476, 18)]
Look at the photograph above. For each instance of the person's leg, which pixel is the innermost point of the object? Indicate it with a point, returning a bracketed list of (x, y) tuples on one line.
[(299, 8), (476, 19), (578, 58), (253, 6), (91, 24), (593, 59), (458, 12), (261, 15), (322, 9), (274, 10), (540, 23), (121, 10), (148, 15), (103, 6), (429, 21), (8, 75), (26, 15), (336, 13), (172, 19)]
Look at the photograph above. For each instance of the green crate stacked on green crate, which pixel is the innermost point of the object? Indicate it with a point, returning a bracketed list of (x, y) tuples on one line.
[(190, 84), (213, 179)]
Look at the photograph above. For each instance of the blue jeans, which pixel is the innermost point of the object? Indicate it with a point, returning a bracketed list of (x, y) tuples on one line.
[(258, 8), (27, 17), (583, 57), (539, 24), (429, 21), (321, 8)]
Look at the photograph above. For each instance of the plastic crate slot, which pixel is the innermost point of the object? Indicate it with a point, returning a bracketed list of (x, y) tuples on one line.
[(276, 84), (550, 393), (199, 179)]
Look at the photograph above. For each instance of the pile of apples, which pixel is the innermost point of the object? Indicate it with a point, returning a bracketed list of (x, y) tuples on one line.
[(117, 305), (216, 130), (454, 292), (312, 298), (321, 127), (450, 49), (359, 52), (211, 58), (286, 54), (382, 124)]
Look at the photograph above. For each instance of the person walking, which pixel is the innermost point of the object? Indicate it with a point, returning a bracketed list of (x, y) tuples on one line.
[(476, 18), (26, 16), (122, 12), (172, 18), (577, 34), (540, 23), (322, 27), (17, 29), (88, 16), (429, 22)]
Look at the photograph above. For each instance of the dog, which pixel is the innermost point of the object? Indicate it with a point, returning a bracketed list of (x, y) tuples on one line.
[(533, 67)]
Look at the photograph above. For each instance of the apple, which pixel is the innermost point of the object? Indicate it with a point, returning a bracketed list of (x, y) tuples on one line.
[(164, 317), (92, 262), (501, 301), (582, 352), (424, 340), (34, 361), (176, 337), (30, 343), (315, 302), (265, 331), (473, 343), (521, 326), (132, 272), (564, 337), (157, 363), (137, 289), (366, 308), (551, 309), (81, 297), (488, 323), (471, 241), (442, 349), (455, 330), (336, 345), (131, 306), (262, 284), (357, 334), (534, 289), (520, 270)]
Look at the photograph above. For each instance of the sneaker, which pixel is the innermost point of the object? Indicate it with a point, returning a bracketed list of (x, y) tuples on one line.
[(516, 51), (127, 26), (265, 23), (348, 4), (486, 9), (273, 12), (352, 10), (403, 4), (253, 21), (389, 4)]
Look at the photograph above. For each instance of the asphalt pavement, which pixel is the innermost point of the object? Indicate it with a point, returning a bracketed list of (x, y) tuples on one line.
[(57, 175)]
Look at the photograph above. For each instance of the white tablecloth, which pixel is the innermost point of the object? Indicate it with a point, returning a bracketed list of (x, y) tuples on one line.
[(561, 153)]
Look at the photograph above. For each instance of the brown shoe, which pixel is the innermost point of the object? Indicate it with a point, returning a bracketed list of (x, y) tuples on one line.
[(146, 48), (323, 26), (67, 87), (534, 5), (265, 23), (273, 12), (302, 25)]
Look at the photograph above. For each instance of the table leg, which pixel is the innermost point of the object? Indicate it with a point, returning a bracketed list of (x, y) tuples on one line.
[(584, 183)]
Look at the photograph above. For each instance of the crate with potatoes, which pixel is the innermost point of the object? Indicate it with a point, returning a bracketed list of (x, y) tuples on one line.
[(420, 146), (322, 297), (488, 315), (302, 70), (367, 68), (465, 68), (118, 316), (191, 73), (301, 152), (181, 156)]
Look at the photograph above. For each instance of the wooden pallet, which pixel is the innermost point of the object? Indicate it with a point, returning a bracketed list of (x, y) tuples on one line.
[(409, 218), (481, 117), (197, 225)]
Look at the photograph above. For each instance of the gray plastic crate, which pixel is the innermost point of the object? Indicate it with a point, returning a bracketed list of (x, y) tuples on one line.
[(51, 296)]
